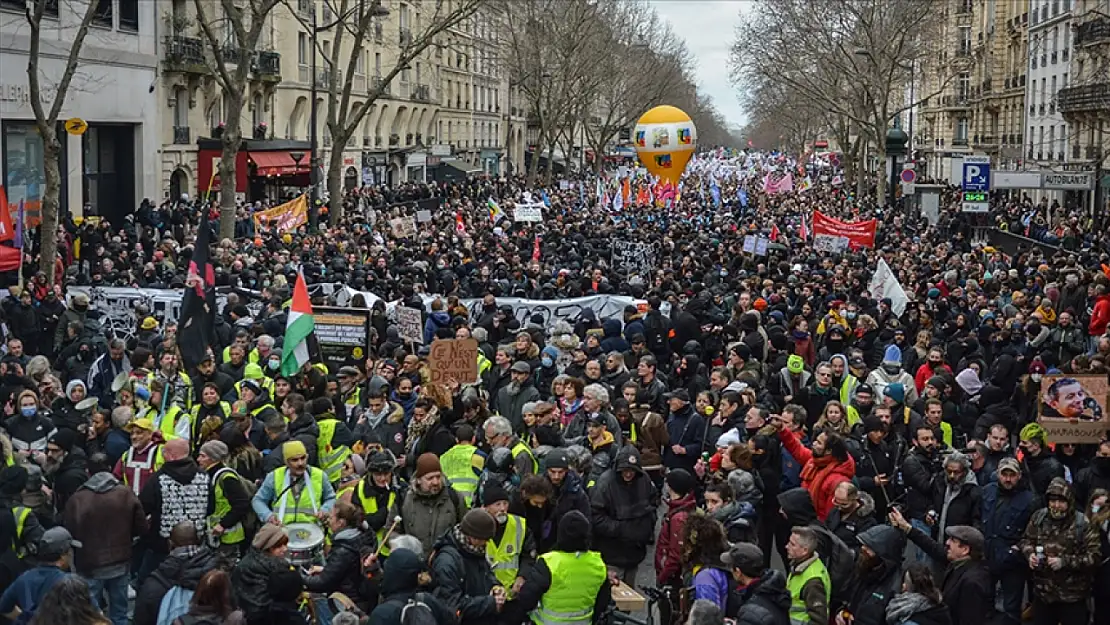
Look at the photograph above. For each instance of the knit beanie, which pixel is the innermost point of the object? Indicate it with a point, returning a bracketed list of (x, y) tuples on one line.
[(680, 482), (493, 493), (13, 480), (425, 464), (573, 532), (215, 450), (293, 449), (478, 523)]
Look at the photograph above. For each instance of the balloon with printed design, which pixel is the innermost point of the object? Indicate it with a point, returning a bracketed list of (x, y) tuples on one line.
[(665, 139)]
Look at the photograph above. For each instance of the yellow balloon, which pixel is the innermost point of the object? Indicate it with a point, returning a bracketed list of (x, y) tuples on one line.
[(665, 139)]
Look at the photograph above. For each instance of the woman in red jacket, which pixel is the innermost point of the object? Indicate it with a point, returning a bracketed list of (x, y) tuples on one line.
[(668, 547), (823, 468)]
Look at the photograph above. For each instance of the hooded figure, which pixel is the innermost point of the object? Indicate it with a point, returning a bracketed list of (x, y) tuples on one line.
[(877, 576), (890, 372), (1062, 548), (400, 583)]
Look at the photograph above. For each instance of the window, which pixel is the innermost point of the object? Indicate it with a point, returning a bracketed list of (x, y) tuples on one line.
[(103, 15), (129, 15), (964, 41), (50, 8), (961, 129), (963, 86), (360, 65), (181, 108), (302, 48), (378, 64)]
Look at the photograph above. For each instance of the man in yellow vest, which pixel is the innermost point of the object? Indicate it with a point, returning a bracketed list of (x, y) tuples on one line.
[(499, 433), (378, 495), (294, 493), (169, 419), (511, 552), (462, 464), (333, 441), (230, 504), (28, 530), (252, 373), (179, 384), (567, 586), (808, 580)]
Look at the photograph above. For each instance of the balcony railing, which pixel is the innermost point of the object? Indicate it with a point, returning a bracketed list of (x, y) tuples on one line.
[(959, 142), (181, 135), (421, 93), (1092, 32), (268, 65), (323, 78), (377, 82), (1084, 98), (185, 54)]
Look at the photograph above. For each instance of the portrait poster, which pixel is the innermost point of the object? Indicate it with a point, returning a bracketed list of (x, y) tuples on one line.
[(1072, 408)]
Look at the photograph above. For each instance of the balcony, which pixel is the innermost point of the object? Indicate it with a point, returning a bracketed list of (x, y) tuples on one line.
[(405, 38), (185, 54), (1084, 98), (421, 93), (378, 83), (959, 101), (267, 66), (1092, 32), (959, 142), (181, 135), (323, 78)]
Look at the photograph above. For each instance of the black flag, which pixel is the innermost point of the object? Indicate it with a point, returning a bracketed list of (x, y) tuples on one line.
[(196, 331)]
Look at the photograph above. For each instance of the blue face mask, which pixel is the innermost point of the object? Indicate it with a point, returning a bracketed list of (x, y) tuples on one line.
[(274, 364), (28, 411), (547, 362)]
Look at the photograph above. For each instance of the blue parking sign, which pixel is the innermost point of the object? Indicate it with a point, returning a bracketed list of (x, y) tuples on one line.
[(977, 174)]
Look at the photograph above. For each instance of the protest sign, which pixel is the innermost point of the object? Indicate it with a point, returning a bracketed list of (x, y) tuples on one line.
[(423, 215), (284, 217), (1072, 408), (343, 335), (410, 324), (403, 227), (749, 244), (830, 243), (454, 359), (632, 256), (528, 212), (859, 234), (761, 246)]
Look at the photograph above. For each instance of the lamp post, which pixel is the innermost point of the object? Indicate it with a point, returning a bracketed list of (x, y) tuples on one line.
[(314, 157)]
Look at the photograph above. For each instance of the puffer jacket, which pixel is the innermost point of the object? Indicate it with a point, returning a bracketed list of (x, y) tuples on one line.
[(820, 474), (764, 602), (183, 567), (343, 567), (622, 514), (1005, 514), (1073, 539), (668, 548), (249, 579)]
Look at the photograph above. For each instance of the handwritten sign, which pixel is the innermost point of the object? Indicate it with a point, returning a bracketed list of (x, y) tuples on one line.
[(749, 244), (454, 359), (632, 257), (528, 212), (403, 227), (409, 322)]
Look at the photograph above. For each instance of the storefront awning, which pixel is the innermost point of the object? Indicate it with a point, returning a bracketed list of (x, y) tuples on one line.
[(278, 163), (463, 166)]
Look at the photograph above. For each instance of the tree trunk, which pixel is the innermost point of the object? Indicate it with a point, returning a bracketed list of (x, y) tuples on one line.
[(335, 181), (231, 140), (550, 167), (882, 180), (534, 166), (48, 230)]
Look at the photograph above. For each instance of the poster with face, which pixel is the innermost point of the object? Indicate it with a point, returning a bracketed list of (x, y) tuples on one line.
[(1072, 408)]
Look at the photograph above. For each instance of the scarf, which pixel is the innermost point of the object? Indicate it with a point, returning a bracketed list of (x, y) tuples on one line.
[(417, 429), (904, 606), (464, 544)]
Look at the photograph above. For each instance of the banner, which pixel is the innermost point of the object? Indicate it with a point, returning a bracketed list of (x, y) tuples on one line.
[(343, 335), (885, 284), (859, 234), (284, 217)]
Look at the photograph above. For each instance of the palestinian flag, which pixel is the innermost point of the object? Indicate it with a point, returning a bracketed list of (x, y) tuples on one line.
[(300, 341)]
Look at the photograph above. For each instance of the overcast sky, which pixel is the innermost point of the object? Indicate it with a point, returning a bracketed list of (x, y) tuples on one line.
[(707, 26)]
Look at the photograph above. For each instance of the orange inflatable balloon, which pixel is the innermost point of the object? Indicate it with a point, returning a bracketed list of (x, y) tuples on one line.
[(665, 139)]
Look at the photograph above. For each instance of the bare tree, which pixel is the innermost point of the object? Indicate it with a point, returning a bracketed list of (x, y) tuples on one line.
[(244, 22), (359, 20), (851, 57), (46, 119)]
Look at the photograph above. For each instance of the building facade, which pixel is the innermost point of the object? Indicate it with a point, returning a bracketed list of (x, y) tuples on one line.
[(1047, 141), (109, 168), (1084, 101)]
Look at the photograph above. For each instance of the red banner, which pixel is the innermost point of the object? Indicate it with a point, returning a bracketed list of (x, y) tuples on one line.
[(859, 234)]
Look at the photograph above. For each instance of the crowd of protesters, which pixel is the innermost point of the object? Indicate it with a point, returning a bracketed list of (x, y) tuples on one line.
[(777, 444)]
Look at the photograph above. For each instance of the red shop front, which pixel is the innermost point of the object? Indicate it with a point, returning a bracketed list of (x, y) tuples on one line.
[(273, 168)]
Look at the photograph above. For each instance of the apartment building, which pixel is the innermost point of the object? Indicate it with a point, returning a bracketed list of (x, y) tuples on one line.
[(1084, 102), (1047, 142), (109, 168)]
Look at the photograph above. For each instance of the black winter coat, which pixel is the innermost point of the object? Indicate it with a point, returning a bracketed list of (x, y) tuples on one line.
[(249, 579), (1040, 470), (1097, 475), (868, 593), (918, 473), (967, 587), (1005, 513), (964, 509), (875, 460), (623, 517), (399, 584), (463, 581), (343, 566), (765, 601), (183, 567)]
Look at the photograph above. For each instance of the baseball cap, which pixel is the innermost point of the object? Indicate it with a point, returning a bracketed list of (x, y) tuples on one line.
[(1009, 464), (142, 424), (746, 557), (55, 542)]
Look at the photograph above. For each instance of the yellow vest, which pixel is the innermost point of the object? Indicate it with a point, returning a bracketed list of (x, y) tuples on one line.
[(576, 579), (166, 424), (370, 506), (20, 513), (461, 466), (232, 535), (504, 559), (521, 448), (331, 458), (300, 509), (795, 583)]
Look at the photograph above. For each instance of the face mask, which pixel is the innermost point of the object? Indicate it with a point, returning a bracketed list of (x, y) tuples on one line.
[(28, 411), (850, 314), (547, 362), (274, 364), (1036, 377), (1056, 514), (1095, 508)]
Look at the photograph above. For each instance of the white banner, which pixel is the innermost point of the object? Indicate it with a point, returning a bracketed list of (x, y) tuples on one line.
[(528, 212)]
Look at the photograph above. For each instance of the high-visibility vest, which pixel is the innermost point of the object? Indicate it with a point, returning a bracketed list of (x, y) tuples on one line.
[(504, 559), (370, 506), (848, 388), (461, 466), (331, 458), (796, 581), (232, 535), (252, 356), (300, 509), (166, 423), (484, 364), (946, 433), (521, 448), (20, 513), (188, 382), (266, 383), (576, 578), (9, 462), (152, 463)]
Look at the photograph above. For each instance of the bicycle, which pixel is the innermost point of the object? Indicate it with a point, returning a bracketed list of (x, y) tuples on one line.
[(655, 597)]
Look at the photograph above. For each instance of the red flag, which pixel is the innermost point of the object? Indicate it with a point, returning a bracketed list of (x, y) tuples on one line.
[(460, 227), (803, 232), (7, 230), (536, 249), (774, 232)]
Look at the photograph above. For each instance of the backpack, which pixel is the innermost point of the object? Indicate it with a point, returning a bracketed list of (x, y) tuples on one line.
[(251, 524), (839, 560), (175, 604), (416, 611)]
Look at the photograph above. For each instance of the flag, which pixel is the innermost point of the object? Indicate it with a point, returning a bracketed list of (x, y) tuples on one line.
[(536, 249), (715, 191), (19, 220), (460, 226), (884, 284), (618, 202), (300, 338), (768, 186), (546, 199), (626, 191), (805, 185), (495, 212), (787, 183), (837, 180), (774, 232), (7, 228), (743, 197), (803, 232), (198, 307)]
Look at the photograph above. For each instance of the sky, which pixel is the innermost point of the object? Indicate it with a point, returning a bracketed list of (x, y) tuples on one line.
[(707, 27)]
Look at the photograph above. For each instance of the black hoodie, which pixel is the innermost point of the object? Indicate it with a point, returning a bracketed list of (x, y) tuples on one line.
[(869, 591), (765, 601), (399, 583)]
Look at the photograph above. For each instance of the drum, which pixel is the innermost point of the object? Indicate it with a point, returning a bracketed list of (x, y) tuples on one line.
[(306, 543)]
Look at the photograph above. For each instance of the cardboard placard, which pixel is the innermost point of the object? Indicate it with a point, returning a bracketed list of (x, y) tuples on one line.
[(1072, 408), (528, 212), (749, 244), (410, 324), (423, 216), (632, 257), (454, 359), (403, 227)]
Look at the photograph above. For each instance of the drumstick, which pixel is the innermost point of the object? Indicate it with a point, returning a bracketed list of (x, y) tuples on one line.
[(385, 539)]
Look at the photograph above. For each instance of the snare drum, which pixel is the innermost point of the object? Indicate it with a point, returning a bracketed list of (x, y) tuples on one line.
[(306, 543)]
